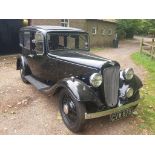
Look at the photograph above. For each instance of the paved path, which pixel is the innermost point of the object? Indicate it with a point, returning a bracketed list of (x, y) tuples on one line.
[(24, 110)]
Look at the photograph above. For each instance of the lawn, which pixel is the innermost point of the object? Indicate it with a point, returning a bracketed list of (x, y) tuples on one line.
[(146, 109), (97, 49)]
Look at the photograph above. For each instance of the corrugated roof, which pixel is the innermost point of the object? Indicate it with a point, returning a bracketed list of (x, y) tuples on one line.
[(110, 20), (106, 20)]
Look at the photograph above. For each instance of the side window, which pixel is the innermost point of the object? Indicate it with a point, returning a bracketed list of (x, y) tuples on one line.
[(27, 40), (39, 43)]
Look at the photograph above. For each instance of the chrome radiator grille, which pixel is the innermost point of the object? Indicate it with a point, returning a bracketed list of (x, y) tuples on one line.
[(111, 85)]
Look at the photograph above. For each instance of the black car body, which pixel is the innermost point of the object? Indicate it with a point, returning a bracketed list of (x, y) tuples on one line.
[(57, 60)]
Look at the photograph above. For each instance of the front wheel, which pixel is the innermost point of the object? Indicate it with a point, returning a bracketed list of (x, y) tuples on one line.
[(72, 111)]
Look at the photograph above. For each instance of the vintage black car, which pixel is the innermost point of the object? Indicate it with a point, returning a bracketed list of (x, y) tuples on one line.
[(57, 60)]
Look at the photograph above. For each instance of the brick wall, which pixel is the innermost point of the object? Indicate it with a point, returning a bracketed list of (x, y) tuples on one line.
[(45, 21), (99, 39), (78, 23)]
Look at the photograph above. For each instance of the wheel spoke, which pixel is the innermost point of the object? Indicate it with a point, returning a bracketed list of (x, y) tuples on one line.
[(72, 113)]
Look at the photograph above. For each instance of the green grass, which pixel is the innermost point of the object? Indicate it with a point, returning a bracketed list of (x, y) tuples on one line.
[(97, 49), (146, 109)]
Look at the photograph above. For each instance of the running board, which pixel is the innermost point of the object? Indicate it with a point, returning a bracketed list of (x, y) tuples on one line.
[(39, 85)]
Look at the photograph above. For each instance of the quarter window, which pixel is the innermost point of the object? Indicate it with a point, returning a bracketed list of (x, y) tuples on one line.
[(21, 39), (65, 22), (27, 40), (94, 30)]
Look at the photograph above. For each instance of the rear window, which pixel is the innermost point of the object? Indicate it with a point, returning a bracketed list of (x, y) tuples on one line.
[(21, 39)]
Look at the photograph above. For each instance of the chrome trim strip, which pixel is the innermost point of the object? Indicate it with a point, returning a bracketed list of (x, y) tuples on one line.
[(110, 111)]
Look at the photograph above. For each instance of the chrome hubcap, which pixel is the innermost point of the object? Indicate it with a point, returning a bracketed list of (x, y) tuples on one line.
[(69, 109), (66, 109)]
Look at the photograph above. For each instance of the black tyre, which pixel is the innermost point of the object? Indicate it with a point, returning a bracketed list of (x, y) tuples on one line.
[(23, 73), (72, 111)]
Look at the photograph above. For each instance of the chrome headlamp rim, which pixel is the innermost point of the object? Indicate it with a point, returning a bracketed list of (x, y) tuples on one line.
[(128, 73), (129, 92), (97, 77)]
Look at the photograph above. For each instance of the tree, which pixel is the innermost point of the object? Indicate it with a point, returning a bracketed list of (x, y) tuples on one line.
[(143, 27), (127, 27), (151, 28)]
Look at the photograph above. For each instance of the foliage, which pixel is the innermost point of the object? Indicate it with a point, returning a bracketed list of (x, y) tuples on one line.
[(146, 109), (126, 28), (147, 26), (143, 27)]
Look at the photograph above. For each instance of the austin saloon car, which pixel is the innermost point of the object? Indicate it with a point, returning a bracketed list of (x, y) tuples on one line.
[(57, 60)]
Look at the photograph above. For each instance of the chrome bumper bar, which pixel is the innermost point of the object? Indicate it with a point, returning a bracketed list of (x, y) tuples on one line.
[(110, 111)]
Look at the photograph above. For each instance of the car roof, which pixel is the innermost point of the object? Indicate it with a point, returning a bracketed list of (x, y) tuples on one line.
[(49, 28)]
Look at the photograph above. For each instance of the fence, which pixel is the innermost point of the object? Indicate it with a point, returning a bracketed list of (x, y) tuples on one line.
[(148, 48)]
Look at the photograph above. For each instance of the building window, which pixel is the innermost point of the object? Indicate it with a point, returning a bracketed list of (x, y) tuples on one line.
[(94, 30), (65, 22), (109, 32), (103, 31)]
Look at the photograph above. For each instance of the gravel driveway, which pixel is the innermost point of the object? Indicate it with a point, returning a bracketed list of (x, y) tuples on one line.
[(24, 110)]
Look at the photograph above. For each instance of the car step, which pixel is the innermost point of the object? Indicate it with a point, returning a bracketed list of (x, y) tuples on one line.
[(39, 85)]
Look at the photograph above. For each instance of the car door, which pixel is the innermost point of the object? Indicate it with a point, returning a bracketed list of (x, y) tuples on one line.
[(26, 50), (43, 66)]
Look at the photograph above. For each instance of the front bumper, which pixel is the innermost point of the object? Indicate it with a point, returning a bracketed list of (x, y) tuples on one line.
[(111, 111)]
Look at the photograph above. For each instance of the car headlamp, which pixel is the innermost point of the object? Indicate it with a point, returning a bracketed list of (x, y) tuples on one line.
[(129, 92), (128, 73), (95, 79)]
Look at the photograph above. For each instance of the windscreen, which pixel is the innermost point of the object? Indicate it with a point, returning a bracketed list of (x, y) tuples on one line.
[(67, 40)]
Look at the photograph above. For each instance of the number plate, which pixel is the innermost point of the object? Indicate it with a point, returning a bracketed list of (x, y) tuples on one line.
[(121, 114)]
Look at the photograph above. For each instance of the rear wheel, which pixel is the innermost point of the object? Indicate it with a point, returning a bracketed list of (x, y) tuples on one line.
[(72, 111)]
